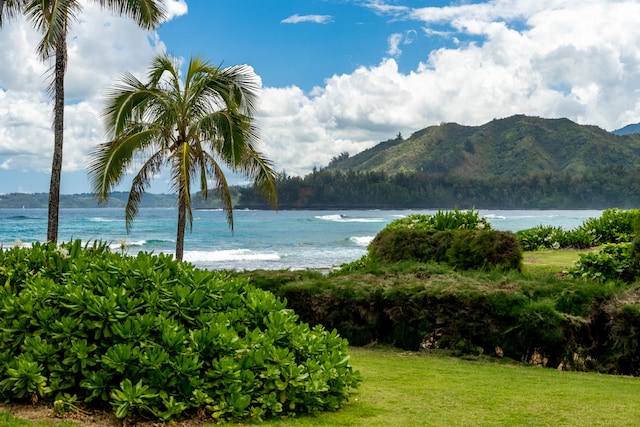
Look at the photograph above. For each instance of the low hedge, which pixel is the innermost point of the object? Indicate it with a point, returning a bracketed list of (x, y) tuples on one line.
[(574, 324), (461, 249)]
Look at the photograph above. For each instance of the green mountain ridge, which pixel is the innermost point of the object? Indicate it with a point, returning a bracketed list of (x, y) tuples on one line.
[(512, 147)]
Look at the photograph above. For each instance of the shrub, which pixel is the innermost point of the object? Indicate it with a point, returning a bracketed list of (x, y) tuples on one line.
[(611, 262), (462, 249), (442, 220), (613, 226), (540, 237), (623, 352), (153, 337)]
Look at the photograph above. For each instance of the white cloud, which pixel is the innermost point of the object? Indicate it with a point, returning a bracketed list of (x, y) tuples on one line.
[(394, 42), (572, 58), (396, 39), (175, 8), (317, 19), (575, 59), (100, 47)]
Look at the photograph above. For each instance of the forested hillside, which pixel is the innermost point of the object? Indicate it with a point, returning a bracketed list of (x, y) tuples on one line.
[(519, 162), (513, 147)]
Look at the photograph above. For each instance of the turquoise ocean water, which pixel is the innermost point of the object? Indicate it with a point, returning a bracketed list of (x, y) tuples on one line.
[(261, 239)]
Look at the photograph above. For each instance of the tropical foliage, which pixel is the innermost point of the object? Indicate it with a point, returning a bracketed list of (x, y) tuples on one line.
[(152, 337), (52, 18), (546, 319), (196, 127), (455, 219), (612, 226)]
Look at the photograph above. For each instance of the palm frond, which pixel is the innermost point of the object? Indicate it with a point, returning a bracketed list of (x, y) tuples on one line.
[(51, 18), (221, 187), (148, 14), (109, 161), (122, 102), (160, 66), (139, 185), (258, 168), (10, 9), (243, 86)]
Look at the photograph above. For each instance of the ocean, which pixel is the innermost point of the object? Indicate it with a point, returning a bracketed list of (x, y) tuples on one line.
[(291, 239)]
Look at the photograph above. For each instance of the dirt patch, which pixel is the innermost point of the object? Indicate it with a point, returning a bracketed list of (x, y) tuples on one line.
[(40, 412)]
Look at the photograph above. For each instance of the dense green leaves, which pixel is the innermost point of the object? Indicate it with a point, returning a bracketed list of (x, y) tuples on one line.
[(196, 127), (158, 338), (459, 238)]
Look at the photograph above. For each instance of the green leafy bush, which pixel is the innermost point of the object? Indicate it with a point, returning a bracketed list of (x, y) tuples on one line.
[(442, 220), (152, 337), (462, 249), (611, 262), (613, 226)]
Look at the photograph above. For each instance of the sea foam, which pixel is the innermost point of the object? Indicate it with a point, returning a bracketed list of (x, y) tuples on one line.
[(229, 255), (343, 218)]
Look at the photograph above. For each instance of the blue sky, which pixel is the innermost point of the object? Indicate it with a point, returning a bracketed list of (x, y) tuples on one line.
[(293, 42), (337, 75)]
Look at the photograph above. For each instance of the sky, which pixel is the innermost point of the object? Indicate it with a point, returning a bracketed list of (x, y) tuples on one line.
[(337, 75)]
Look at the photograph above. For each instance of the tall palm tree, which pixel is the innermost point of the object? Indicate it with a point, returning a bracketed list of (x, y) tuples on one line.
[(52, 18), (194, 127)]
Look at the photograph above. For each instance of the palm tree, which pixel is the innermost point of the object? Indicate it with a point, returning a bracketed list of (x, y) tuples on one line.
[(52, 19), (194, 127)]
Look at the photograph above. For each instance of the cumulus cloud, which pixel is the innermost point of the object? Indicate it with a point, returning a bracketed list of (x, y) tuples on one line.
[(175, 8), (101, 46), (576, 58), (317, 19)]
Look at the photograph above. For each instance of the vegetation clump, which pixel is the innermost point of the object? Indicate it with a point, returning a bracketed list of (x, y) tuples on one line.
[(417, 288), (459, 238), (151, 337), (613, 226)]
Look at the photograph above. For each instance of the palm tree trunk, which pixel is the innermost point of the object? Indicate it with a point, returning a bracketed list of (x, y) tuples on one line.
[(58, 130), (182, 220)]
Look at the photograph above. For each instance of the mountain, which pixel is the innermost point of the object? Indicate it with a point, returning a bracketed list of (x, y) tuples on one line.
[(511, 147), (628, 130)]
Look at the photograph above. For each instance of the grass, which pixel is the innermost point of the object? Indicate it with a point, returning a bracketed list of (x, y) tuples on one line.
[(404, 389), (414, 389), (551, 261)]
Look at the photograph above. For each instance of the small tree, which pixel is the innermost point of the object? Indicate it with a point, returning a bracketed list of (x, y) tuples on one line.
[(194, 127)]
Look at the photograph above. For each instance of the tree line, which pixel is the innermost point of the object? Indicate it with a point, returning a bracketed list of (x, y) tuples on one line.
[(603, 187)]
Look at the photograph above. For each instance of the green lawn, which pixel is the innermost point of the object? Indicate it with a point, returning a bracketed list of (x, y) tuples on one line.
[(551, 261), (418, 389)]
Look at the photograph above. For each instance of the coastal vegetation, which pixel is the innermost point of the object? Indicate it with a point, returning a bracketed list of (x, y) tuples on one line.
[(151, 337), (579, 318), (196, 127), (76, 318)]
